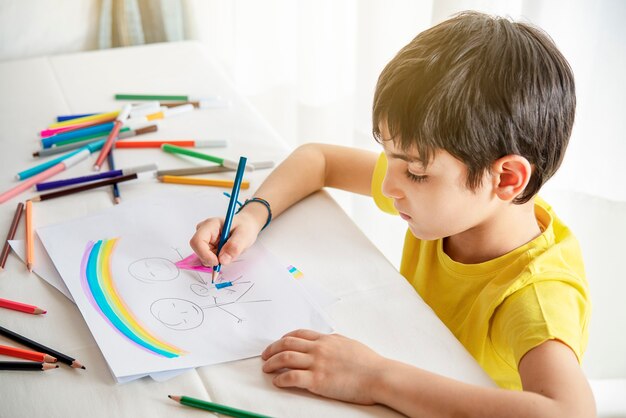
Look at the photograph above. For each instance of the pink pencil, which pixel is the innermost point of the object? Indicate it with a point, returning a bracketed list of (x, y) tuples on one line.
[(108, 144), (55, 169)]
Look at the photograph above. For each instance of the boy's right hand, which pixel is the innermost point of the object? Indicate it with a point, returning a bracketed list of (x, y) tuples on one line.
[(243, 233)]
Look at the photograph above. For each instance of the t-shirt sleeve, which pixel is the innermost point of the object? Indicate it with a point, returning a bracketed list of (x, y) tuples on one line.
[(537, 313), (384, 203)]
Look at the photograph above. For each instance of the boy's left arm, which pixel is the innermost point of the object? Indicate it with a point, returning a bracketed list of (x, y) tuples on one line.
[(341, 368)]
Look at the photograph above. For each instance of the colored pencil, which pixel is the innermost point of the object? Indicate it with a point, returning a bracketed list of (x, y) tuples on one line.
[(160, 97), (106, 148), (206, 103), (193, 171), (41, 348), (29, 172), (178, 142), (201, 181), (215, 407), (63, 146), (101, 129), (210, 169), (230, 212), (22, 307), (30, 245), (92, 177), (11, 234), (173, 149), (26, 354), (56, 169), (63, 118), (166, 113), (88, 186), (98, 116), (115, 189), (64, 129), (26, 365)]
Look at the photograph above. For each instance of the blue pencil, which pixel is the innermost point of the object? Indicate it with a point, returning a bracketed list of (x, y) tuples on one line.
[(115, 188), (70, 117), (63, 136), (230, 212), (29, 172)]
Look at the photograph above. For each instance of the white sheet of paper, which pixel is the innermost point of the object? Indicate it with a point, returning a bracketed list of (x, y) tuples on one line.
[(175, 319)]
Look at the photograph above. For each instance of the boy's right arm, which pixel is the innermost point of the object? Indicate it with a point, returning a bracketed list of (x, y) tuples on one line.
[(307, 170)]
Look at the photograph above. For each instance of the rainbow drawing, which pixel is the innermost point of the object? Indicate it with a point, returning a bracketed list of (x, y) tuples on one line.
[(100, 289), (294, 272)]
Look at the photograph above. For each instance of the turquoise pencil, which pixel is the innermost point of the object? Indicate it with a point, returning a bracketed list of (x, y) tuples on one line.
[(230, 212)]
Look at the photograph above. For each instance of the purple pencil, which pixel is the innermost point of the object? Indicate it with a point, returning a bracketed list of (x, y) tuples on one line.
[(92, 177)]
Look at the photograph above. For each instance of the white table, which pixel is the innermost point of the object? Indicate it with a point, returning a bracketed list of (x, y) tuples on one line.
[(376, 304)]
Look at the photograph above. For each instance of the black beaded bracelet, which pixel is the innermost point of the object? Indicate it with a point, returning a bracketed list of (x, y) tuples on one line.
[(264, 203)]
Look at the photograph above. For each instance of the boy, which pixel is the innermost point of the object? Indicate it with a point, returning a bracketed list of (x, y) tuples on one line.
[(474, 116)]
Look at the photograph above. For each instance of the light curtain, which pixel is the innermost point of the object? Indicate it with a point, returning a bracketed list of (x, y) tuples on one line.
[(137, 22)]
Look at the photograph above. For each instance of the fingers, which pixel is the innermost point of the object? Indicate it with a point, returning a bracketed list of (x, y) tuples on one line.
[(288, 360), (239, 240), (287, 343), (307, 334), (294, 379), (204, 241)]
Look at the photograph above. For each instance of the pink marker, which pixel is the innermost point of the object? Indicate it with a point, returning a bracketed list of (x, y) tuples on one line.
[(108, 144)]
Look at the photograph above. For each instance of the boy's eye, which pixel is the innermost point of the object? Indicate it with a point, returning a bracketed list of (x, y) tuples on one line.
[(416, 178)]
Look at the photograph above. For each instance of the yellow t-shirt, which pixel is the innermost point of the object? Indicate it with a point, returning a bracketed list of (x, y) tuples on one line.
[(502, 308)]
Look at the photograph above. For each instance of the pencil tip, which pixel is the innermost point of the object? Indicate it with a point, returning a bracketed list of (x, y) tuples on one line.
[(169, 396), (96, 168), (117, 200), (84, 368)]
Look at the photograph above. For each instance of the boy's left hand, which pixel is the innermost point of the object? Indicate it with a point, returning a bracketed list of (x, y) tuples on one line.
[(330, 365)]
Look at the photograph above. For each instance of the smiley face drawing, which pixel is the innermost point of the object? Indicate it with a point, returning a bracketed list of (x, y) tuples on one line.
[(153, 270), (177, 314)]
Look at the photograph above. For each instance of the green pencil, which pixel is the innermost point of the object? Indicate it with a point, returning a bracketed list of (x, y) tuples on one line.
[(175, 97), (215, 407), (173, 149)]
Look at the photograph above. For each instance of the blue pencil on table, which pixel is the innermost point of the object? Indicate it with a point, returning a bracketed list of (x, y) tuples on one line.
[(63, 118), (230, 212), (117, 198), (64, 136), (29, 172)]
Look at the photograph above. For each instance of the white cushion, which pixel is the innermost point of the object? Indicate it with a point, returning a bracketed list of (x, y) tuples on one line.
[(600, 226)]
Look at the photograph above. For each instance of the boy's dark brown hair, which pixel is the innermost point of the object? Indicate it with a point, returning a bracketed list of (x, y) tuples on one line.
[(480, 88)]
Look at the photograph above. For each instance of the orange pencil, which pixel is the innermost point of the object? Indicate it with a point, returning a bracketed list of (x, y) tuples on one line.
[(26, 354), (201, 181), (30, 245), (22, 307)]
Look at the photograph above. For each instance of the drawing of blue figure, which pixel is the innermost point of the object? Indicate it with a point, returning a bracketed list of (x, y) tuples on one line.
[(153, 270)]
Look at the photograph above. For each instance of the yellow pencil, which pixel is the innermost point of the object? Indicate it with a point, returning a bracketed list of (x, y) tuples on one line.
[(201, 182), (92, 118), (30, 246)]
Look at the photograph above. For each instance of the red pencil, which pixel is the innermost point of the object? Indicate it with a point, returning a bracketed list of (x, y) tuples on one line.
[(108, 144), (22, 307), (26, 354)]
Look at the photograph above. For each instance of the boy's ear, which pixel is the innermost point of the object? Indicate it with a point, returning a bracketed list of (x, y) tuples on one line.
[(510, 175)]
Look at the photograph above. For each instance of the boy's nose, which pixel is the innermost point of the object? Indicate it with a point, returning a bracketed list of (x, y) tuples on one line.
[(390, 187)]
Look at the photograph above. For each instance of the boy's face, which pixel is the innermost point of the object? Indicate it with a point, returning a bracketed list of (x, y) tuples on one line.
[(435, 201)]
